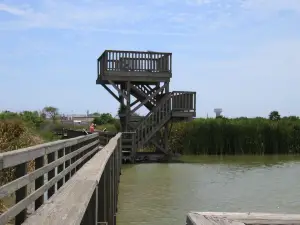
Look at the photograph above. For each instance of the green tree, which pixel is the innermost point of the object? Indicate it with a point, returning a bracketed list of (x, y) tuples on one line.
[(32, 117), (95, 114), (104, 118), (51, 112), (274, 115)]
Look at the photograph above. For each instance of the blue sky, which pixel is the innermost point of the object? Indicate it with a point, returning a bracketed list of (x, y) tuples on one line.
[(240, 55)]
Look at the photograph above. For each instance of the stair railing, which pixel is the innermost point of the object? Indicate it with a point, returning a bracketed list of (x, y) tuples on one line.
[(154, 120)]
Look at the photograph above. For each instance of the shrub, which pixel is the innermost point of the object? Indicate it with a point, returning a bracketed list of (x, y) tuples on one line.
[(14, 134), (104, 118)]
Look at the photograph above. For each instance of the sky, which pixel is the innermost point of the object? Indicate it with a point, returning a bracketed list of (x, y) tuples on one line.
[(239, 55)]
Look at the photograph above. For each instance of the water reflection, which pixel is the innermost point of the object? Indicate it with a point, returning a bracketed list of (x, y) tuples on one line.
[(164, 193)]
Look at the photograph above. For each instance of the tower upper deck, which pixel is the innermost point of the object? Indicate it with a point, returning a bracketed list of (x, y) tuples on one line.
[(134, 66)]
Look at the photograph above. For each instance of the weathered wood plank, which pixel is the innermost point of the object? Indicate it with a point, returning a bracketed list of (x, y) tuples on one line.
[(68, 205), (13, 158), (28, 178), (196, 218), (17, 208)]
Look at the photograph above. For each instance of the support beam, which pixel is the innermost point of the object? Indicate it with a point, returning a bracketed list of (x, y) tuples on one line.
[(141, 92), (110, 91), (148, 98), (166, 134), (128, 114), (121, 93), (134, 102), (159, 147)]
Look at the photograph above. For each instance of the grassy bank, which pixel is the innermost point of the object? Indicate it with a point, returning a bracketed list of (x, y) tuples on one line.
[(237, 136)]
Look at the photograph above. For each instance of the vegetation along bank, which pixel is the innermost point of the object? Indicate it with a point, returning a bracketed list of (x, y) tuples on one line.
[(239, 136)]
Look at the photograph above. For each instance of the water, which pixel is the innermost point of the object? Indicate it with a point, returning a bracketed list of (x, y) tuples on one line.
[(153, 194)]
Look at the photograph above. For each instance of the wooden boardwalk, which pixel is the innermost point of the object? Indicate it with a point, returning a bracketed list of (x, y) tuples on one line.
[(81, 186)]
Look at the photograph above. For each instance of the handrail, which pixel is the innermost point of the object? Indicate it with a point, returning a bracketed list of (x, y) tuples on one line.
[(90, 197), (155, 108), (173, 101), (174, 105), (155, 117), (184, 101), (59, 160)]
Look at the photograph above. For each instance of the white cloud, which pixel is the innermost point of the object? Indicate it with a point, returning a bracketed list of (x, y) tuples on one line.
[(271, 5), (178, 18), (64, 14), (199, 2), (12, 10)]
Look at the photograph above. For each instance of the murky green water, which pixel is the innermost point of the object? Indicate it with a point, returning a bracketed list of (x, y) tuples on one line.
[(153, 194)]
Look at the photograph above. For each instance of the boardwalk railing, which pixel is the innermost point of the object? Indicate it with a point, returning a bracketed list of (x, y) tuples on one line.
[(226, 218), (105, 136), (90, 197), (53, 165)]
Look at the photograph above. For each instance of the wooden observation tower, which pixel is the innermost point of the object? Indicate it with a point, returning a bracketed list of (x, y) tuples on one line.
[(142, 79)]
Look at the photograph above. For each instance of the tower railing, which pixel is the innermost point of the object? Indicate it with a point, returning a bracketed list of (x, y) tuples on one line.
[(134, 61)]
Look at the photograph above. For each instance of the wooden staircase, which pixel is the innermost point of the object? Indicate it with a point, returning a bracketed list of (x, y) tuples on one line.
[(146, 78), (157, 118), (138, 92)]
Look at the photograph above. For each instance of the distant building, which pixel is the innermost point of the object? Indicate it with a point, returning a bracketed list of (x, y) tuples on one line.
[(77, 118)]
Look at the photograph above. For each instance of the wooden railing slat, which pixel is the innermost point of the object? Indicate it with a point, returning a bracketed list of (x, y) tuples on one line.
[(13, 158), (28, 178), (17, 208)]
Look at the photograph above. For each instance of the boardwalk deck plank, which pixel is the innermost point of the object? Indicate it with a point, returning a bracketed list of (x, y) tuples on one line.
[(67, 206), (226, 218)]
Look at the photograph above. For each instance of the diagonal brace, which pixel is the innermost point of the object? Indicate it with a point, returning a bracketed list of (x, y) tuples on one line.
[(148, 98), (159, 147), (134, 102), (118, 90), (110, 91)]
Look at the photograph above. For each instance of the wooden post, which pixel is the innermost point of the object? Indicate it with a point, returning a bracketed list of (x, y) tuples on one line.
[(39, 162), (77, 157), (51, 173), (128, 115), (114, 187), (101, 198), (109, 189), (60, 168), (89, 217), (20, 171), (73, 171), (106, 192), (166, 135), (67, 163)]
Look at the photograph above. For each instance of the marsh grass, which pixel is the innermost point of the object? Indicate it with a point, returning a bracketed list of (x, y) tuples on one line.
[(244, 136)]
